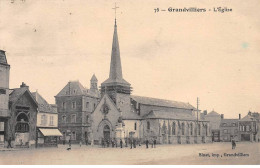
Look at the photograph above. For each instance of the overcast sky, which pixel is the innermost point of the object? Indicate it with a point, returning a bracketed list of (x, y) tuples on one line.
[(176, 56)]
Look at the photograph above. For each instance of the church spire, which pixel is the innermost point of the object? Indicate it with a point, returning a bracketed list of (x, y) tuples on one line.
[(115, 64)]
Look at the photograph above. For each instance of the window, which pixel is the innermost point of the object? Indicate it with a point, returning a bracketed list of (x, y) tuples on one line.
[(73, 136), (63, 105), (247, 128), (206, 130), (64, 118), (199, 129), (235, 130), (135, 126), (182, 128), (74, 91), (225, 131), (173, 128), (73, 105), (87, 119), (148, 125), (224, 124), (51, 120), (2, 126), (43, 119), (73, 118), (22, 127), (191, 129), (87, 104), (2, 91), (233, 124)]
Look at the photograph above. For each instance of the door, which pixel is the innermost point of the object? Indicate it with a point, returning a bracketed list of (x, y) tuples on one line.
[(106, 133)]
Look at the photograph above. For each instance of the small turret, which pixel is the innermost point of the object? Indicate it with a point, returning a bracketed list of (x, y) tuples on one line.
[(93, 83)]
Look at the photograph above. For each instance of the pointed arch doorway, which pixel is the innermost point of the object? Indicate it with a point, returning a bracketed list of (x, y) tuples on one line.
[(106, 133)]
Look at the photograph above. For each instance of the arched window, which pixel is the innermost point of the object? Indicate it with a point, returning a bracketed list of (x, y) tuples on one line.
[(148, 125), (22, 123), (173, 128), (191, 129), (182, 128)]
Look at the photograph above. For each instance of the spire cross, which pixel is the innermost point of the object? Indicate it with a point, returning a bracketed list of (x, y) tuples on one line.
[(115, 9)]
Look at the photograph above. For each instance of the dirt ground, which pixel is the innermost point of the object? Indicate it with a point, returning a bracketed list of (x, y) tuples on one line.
[(186, 154)]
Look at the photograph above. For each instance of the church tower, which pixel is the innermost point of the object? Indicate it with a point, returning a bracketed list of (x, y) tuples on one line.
[(115, 86)]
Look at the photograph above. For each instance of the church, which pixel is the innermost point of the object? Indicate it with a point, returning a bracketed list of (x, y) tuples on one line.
[(92, 115)]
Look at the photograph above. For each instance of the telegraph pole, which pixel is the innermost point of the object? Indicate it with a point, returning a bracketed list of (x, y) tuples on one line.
[(197, 109)]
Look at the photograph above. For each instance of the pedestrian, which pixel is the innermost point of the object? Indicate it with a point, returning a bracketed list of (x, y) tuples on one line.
[(134, 143), (80, 143), (126, 143), (103, 143), (121, 143), (147, 143), (112, 143), (131, 143), (69, 148), (116, 142), (154, 143), (233, 144), (9, 143), (108, 143)]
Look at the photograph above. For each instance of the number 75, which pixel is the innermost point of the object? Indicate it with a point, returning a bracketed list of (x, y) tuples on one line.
[(156, 10)]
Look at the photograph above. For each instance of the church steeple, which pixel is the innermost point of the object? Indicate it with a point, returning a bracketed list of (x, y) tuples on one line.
[(115, 82), (115, 64)]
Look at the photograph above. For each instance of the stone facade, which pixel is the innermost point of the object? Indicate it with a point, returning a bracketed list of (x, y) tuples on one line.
[(4, 97), (23, 117), (75, 105)]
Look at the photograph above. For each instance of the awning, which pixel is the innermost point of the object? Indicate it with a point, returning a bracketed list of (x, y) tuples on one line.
[(50, 132)]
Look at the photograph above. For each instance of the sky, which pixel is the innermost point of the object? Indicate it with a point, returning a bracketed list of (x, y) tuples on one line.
[(176, 56)]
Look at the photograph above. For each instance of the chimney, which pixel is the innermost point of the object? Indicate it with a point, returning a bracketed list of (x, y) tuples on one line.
[(222, 116), (239, 116), (250, 113), (24, 85), (205, 112)]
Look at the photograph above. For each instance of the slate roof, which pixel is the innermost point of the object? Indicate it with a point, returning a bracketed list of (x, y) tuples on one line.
[(43, 105), (247, 118), (161, 102), (159, 114), (229, 120), (68, 90), (213, 113), (18, 92), (130, 116)]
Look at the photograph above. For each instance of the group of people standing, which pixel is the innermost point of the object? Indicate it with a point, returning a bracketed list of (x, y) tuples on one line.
[(131, 142)]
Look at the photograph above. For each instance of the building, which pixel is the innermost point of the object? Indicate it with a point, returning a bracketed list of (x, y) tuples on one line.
[(247, 129), (75, 104), (119, 115), (23, 117), (47, 132), (214, 119), (4, 97), (256, 117)]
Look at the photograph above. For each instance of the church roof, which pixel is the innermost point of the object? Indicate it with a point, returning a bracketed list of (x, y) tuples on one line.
[(159, 114), (130, 116), (115, 75), (43, 105), (161, 102), (75, 88), (3, 59)]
